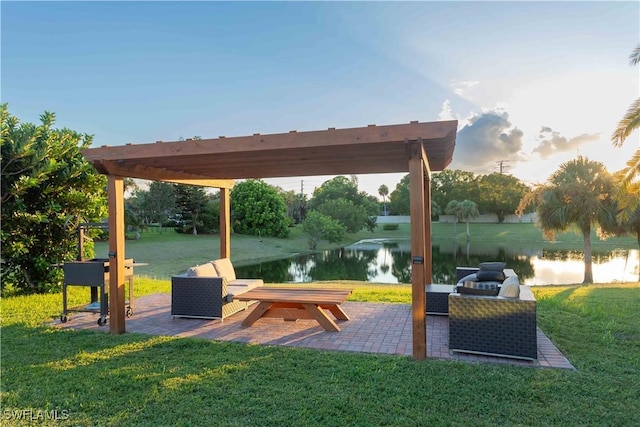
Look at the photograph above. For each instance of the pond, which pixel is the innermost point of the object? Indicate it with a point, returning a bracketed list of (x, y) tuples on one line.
[(389, 261)]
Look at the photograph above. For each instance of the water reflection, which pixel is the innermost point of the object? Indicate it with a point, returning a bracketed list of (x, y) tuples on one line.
[(389, 261)]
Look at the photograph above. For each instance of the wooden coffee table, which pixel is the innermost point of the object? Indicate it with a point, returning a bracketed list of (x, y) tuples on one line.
[(296, 303)]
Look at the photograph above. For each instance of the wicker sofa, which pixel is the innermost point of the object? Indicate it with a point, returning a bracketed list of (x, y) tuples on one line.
[(206, 291), (502, 325)]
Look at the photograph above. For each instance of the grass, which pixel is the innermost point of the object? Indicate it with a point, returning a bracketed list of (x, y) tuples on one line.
[(171, 253), (97, 379), (133, 379)]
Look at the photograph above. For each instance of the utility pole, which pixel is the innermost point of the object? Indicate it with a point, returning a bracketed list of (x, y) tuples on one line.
[(502, 166)]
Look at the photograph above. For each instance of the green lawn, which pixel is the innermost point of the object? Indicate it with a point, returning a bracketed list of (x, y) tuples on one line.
[(96, 379), (171, 253)]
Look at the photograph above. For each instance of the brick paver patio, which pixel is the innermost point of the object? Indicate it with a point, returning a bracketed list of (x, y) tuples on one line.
[(373, 328)]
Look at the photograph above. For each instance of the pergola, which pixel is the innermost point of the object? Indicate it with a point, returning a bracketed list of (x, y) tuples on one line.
[(417, 148)]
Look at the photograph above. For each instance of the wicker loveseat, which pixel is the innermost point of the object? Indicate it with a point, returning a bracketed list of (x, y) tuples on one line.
[(503, 325), (206, 291)]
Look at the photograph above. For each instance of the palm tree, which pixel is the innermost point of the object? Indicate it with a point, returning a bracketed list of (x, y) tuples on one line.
[(627, 179), (453, 208), (465, 211), (578, 195), (468, 210), (383, 191)]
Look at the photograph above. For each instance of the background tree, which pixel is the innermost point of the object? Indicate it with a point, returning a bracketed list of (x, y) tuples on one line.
[(210, 216), (318, 226), (340, 199), (400, 199), (453, 208), (48, 188), (500, 194), (465, 211), (159, 203), (333, 189), (628, 179), (257, 209), (436, 211), (454, 184), (468, 210), (579, 194), (133, 219), (298, 208), (296, 205), (190, 203), (383, 191), (353, 217)]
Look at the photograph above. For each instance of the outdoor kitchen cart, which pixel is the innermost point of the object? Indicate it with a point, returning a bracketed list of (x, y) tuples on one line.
[(94, 273)]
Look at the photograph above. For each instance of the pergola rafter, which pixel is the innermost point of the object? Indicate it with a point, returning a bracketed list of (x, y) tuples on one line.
[(417, 148)]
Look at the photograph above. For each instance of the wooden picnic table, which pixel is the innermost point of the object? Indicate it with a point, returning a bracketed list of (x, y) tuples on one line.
[(292, 304)]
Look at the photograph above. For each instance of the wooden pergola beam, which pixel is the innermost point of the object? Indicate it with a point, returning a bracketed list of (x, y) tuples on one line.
[(111, 167), (435, 132)]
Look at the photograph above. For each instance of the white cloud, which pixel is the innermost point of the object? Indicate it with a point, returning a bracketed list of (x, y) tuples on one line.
[(487, 139), (462, 88), (551, 142), (445, 112)]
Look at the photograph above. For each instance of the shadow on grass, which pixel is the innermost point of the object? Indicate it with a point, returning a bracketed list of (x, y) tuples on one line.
[(135, 379)]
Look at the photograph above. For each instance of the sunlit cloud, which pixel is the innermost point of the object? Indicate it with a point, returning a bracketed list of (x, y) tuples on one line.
[(552, 142), (462, 88), (486, 139), (446, 113)]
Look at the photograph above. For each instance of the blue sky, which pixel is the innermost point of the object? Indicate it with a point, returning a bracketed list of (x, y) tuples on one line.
[(531, 83)]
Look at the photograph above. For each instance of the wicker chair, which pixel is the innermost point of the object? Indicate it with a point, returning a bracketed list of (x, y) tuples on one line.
[(207, 291), (494, 325), (203, 297)]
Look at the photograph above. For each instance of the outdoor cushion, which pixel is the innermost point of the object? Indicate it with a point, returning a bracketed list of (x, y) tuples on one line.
[(204, 270), (510, 288), (480, 288), (492, 266), (511, 280), (490, 275), (247, 283), (225, 269), (240, 289)]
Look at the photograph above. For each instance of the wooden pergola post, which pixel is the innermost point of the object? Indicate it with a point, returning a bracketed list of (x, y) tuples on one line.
[(116, 254), (428, 264), (225, 223), (421, 268)]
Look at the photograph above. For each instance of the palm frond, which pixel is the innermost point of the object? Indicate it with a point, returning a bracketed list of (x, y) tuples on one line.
[(630, 173), (634, 58), (626, 125), (628, 187)]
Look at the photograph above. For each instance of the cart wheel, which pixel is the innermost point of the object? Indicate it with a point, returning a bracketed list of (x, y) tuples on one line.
[(129, 312), (63, 318), (102, 321)]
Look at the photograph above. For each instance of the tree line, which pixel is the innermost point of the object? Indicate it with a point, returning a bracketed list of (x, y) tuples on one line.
[(48, 189)]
